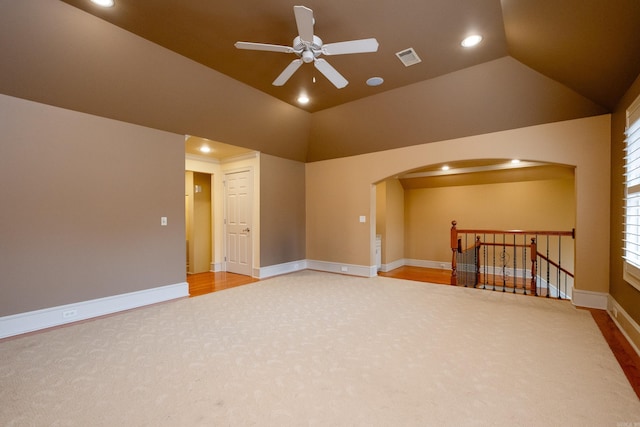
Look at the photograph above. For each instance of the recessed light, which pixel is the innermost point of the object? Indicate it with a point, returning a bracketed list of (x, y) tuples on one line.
[(375, 81), (303, 99), (471, 40), (515, 161), (445, 168), (104, 3), (205, 149)]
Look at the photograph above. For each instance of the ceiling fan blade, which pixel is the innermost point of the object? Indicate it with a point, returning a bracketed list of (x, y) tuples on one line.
[(353, 46), (263, 46), (330, 73), (304, 21), (288, 72)]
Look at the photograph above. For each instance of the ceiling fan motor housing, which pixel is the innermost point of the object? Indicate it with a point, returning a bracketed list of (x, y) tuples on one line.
[(308, 51)]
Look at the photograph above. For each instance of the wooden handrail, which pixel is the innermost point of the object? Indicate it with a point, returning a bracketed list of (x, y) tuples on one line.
[(555, 264), (571, 233)]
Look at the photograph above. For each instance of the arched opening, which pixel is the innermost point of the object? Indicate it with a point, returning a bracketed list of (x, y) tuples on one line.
[(414, 209)]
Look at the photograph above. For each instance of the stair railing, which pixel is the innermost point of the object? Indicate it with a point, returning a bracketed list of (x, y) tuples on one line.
[(502, 259)]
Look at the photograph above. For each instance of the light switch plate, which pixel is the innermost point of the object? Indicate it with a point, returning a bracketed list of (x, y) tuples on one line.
[(163, 220)]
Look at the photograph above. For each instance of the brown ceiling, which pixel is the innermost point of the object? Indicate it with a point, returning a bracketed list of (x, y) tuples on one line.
[(590, 46)]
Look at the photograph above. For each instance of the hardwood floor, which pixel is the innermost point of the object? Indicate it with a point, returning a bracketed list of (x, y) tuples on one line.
[(622, 350), (204, 283), (420, 274)]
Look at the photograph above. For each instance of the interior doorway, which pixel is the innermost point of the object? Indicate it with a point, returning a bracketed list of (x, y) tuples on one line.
[(198, 214)]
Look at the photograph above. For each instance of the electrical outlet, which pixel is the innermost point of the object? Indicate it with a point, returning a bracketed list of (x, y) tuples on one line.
[(163, 220), (67, 314)]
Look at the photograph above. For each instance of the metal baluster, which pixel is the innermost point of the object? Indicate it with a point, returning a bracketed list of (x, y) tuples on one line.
[(515, 265), (494, 262), (484, 256), (504, 263), (559, 266), (465, 260), (548, 272), (524, 264)]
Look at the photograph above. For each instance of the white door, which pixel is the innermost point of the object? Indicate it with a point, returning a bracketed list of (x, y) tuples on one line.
[(239, 196)]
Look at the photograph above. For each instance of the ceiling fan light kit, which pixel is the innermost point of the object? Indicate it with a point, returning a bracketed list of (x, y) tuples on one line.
[(308, 47)]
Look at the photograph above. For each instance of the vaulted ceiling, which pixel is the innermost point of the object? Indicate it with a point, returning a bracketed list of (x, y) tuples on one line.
[(590, 46), (172, 65)]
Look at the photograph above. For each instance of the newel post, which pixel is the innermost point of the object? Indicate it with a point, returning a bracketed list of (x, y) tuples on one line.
[(454, 249), (477, 256), (534, 266)]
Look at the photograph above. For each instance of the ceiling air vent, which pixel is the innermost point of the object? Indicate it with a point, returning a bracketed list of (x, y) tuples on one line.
[(408, 57)]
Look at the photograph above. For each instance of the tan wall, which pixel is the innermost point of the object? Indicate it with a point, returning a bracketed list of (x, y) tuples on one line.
[(188, 212), (497, 95), (626, 295), (339, 191), (80, 215), (282, 210), (201, 235), (59, 55), (391, 227), (217, 229), (533, 205)]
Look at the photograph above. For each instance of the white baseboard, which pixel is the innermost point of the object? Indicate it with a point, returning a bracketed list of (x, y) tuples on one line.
[(589, 299), (278, 269), (217, 266), (427, 264), (393, 265), (351, 269), (21, 323), (615, 311)]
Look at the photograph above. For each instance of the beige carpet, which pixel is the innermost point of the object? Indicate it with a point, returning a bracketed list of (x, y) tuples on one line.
[(320, 349)]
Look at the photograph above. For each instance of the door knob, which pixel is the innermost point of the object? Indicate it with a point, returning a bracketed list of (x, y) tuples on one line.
[(246, 230)]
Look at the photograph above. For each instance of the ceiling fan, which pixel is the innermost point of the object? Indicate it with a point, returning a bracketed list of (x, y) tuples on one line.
[(308, 47)]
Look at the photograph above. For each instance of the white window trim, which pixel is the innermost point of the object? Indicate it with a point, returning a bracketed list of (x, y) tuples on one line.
[(631, 271)]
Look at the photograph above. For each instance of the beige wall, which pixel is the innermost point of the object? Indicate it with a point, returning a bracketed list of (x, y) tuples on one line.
[(80, 215), (57, 54), (335, 234), (626, 295), (497, 95), (188, 213), (282, 210), (532, 205), (390, 219), (201, 227)]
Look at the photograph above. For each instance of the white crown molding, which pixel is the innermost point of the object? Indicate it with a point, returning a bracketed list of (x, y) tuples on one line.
[(199, 158), (248, 156)]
